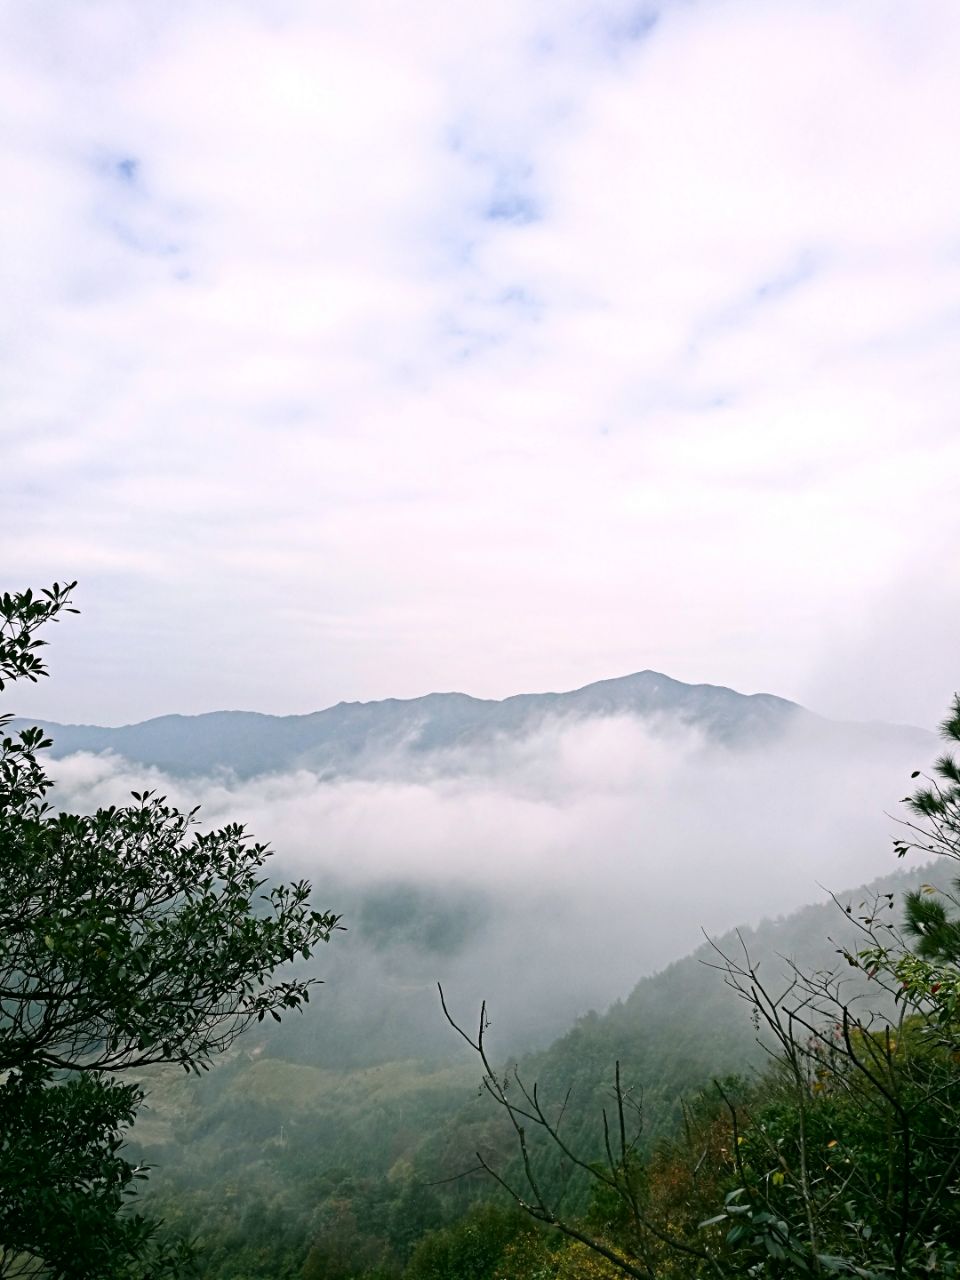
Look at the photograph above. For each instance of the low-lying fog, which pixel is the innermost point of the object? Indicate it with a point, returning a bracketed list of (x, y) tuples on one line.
[(549, 873)]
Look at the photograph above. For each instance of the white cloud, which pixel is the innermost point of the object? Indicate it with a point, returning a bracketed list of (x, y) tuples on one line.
[(601, 847), (356, 351)]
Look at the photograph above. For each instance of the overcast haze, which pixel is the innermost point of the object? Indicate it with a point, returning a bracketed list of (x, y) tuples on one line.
[(359, 350)]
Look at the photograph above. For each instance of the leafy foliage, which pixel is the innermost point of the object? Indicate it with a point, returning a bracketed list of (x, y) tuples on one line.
[(63, 1181), (127, 937)]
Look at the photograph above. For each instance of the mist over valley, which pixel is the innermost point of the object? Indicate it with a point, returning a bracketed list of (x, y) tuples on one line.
[(542, 853)]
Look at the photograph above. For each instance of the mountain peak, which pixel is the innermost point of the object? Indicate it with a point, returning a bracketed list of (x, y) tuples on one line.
[(350, 737)]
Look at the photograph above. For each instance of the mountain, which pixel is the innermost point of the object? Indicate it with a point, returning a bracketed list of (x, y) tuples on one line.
[(351, 736)]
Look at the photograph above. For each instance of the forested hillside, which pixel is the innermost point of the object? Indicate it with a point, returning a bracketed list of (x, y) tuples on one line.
[(271, 1162)]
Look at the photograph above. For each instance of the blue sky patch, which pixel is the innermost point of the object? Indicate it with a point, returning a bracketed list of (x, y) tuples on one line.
[(512, 206), (127, 169)]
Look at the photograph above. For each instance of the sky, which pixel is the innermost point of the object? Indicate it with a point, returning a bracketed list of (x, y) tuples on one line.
[(361, 350)]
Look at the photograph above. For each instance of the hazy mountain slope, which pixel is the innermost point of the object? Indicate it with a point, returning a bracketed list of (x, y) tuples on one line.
[(676, 1032), (260, 1133), (352, 737)]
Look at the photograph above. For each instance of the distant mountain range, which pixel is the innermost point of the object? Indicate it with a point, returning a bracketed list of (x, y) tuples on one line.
[(352, 736)]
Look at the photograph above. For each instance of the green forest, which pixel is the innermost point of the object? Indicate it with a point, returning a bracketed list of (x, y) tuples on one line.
[(373, 1171), (783, 1102)]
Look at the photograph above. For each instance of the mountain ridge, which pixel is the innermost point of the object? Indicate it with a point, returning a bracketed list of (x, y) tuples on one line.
[(346, 737)]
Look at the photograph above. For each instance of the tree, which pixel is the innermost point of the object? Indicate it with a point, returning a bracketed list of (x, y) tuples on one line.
[(474, 1248), (127, 937), (617, 1176), (935, 828)]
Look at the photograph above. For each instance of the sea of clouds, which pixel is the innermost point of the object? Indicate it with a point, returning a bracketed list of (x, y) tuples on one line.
[(575, 860)]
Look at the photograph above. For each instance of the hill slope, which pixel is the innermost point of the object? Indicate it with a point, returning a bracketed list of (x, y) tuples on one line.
[(263, 1154)]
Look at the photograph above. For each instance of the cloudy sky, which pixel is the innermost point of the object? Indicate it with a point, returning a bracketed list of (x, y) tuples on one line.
[(358, 350)]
